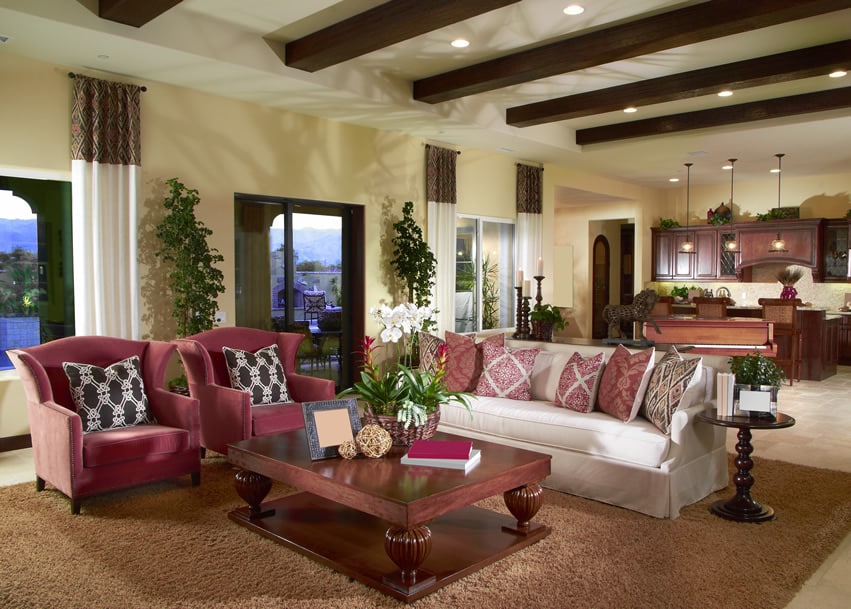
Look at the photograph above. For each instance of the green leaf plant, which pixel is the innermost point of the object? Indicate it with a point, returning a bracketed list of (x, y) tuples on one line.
[(194, 280)]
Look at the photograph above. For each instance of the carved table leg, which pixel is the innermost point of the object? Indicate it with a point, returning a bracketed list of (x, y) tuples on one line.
[(253, 488), (524, 502), (742, 507), (408, 549)]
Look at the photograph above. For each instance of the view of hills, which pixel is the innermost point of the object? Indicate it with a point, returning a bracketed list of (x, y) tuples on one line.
[(323, 244), (19, 233)]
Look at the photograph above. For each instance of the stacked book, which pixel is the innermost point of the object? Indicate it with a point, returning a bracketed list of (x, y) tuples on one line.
[(725, 381), (451, 454)]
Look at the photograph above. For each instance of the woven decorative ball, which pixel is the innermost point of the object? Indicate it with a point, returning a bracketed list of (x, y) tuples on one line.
[(374, 441), (348, 449)]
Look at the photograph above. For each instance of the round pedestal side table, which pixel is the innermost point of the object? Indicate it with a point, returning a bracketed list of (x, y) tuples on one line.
[(742, 507)]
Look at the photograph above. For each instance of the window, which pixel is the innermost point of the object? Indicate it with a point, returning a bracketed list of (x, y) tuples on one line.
[(36, 274), (484, 273)]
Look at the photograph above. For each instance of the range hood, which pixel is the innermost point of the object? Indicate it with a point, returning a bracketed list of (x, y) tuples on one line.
[(804, 242)]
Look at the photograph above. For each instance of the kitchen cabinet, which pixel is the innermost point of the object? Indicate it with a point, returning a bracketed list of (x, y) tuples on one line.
[(845, 340), (822, 245), (837, 241), (668, 262)]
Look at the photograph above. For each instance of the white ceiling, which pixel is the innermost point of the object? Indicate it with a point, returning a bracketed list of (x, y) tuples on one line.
[(233, 48)]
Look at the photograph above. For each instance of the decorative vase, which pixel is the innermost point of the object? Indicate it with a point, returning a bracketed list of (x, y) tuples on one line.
[(397, 431), (789, 292), (542, 330)]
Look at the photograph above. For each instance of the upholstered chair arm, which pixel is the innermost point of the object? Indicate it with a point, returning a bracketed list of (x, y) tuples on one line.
[(225, 415), (303, 388), (175, 410), (57, 439), (690, 438)]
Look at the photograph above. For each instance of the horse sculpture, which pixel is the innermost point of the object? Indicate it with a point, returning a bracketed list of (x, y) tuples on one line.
[(639, 310)]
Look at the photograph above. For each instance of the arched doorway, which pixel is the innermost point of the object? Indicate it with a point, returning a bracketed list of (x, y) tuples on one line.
[(600, 286)]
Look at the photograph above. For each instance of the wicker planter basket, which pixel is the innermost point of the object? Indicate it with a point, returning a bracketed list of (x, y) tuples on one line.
[(397, 431)]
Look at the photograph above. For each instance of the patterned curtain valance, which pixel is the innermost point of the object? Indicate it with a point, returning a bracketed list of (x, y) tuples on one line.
[(529, 189), (440, 174), (105, 122)]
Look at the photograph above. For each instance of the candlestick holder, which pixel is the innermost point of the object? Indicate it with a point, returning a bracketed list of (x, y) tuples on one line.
[(518, 312), (538, 297), (525, 330)]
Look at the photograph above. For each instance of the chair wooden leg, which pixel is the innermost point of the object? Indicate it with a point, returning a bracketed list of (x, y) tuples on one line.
[(39, 484), (75, 506), (196, 478), (203, 452)]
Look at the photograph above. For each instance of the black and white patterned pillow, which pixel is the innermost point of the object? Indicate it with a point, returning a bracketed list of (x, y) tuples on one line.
[(111, 397), (259, 373)]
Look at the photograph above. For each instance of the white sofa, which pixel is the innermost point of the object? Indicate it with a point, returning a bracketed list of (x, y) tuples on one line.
[(633, 465)]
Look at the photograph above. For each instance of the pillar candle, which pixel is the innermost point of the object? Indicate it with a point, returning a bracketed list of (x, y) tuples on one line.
[(527, 287), (540, 267), (519, 278)]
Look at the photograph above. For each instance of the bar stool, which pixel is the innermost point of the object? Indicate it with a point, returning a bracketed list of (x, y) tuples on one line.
[(710, 307), (784, 313)]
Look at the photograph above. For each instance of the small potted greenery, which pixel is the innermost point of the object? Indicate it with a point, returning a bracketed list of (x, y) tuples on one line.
[(545, 318), (756, 374)]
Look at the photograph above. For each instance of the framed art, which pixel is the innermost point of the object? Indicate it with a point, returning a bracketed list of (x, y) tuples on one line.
[(328, 424)]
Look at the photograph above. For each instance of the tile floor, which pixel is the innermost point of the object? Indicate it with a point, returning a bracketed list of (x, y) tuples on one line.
[(821, 437)]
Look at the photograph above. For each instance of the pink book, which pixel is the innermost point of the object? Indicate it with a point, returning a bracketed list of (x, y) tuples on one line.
[(440, 449)]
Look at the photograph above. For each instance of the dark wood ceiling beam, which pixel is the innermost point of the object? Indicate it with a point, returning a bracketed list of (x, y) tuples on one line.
[(771, 69), (134, 12), (780, 107), (677, 28), (380, 27)]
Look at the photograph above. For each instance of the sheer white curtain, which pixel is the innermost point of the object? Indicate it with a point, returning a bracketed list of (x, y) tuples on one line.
[(105, 176), (530, 224), (441, 195)]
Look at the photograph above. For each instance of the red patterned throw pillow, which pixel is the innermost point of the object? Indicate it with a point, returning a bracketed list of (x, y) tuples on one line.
[(507, 372), (577, 387), (464, 360), (624, 382)]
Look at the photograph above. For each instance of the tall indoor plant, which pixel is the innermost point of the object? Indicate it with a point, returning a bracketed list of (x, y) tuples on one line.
[(194, 280), (413, 260)]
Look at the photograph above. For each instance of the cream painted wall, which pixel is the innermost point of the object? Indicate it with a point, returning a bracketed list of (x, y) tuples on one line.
[(572, 226), (220, 147)]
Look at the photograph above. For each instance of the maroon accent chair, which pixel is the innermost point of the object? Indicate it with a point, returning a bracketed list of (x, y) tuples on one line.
[(227, 415), (81, 465)]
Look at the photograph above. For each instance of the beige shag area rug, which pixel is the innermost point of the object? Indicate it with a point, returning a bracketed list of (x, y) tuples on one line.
[(170, 545)]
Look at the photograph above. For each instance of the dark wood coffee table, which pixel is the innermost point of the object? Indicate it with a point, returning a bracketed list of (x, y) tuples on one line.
[(404, 530)]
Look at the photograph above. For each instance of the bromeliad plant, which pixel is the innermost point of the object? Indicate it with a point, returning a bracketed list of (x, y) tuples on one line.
[(394, 389)]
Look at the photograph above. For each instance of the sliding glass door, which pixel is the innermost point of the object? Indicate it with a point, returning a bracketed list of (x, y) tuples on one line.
[(295, 273)]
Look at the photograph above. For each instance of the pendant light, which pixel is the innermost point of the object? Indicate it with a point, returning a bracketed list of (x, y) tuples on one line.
[(778, 246), (732, 246), (687, 246)]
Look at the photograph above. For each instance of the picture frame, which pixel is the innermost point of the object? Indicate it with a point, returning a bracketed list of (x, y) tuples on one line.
[(329, 423)]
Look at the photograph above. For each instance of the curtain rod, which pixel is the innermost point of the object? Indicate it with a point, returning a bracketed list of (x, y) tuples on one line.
[(72, 75)]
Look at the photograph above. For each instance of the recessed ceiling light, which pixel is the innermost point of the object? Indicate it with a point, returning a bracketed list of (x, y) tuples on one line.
[(460, 43), (630, 109), (837, 73), (103, 57), (673, 179), (725, 93), (574, 9)]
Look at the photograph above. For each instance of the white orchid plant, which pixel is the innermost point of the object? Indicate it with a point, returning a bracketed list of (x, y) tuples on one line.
[(400, 324)]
